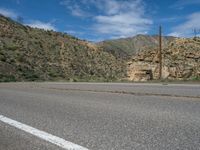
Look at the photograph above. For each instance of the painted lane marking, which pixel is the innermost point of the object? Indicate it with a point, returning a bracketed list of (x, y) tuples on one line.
[(42, 135)]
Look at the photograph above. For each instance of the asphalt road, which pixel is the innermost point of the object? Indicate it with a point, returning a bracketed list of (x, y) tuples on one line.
[(100, 116)]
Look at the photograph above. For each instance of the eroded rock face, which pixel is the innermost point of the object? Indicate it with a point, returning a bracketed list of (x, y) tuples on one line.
[(141, 71), (181, 60)]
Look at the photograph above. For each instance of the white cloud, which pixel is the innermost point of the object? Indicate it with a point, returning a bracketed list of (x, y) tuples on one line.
[(36, 24), (170, 19), (42, 25), (180, 4), (78, 12), (186, 29), (121, 25), (123, 19), (75, 8), (175, 34), (72, 32), (114, 18), (8, 13)]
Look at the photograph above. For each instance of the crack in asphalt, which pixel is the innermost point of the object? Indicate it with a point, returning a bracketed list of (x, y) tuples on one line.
[(125, 92)]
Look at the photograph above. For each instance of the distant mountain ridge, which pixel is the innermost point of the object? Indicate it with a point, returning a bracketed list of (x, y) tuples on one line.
[(126, 47)]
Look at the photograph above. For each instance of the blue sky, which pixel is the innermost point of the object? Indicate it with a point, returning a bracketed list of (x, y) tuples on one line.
[(97, 20)]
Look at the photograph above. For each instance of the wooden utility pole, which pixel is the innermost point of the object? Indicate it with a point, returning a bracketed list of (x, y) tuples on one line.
[(160, 52)]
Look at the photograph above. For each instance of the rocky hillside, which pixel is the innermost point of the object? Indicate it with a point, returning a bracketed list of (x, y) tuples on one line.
[(28, 54), (126, 47), (181, 60)]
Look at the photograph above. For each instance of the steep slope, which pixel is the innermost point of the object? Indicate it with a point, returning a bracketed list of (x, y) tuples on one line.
[(28, 54), (126, 47), (181, 60)]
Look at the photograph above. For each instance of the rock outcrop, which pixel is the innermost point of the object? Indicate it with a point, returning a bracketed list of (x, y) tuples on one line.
[(181, 61)]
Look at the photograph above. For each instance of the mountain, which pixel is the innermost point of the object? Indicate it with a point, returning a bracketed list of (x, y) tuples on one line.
[(126, 47), (30, 54)]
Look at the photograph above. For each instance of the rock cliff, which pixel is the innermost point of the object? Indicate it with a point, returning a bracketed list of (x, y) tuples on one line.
[(181, 61)]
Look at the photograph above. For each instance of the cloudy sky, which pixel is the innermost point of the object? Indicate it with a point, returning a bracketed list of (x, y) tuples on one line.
[(96, 20)]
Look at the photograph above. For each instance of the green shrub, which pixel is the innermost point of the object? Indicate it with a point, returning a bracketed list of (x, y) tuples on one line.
[(195, 78), (7, 78), (2, 58), (12, 47)]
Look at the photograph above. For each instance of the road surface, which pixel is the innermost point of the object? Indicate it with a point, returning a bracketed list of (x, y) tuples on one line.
[(99, 116)]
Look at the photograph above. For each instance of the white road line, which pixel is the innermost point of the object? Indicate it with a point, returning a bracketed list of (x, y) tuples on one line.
[(42, 135)]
